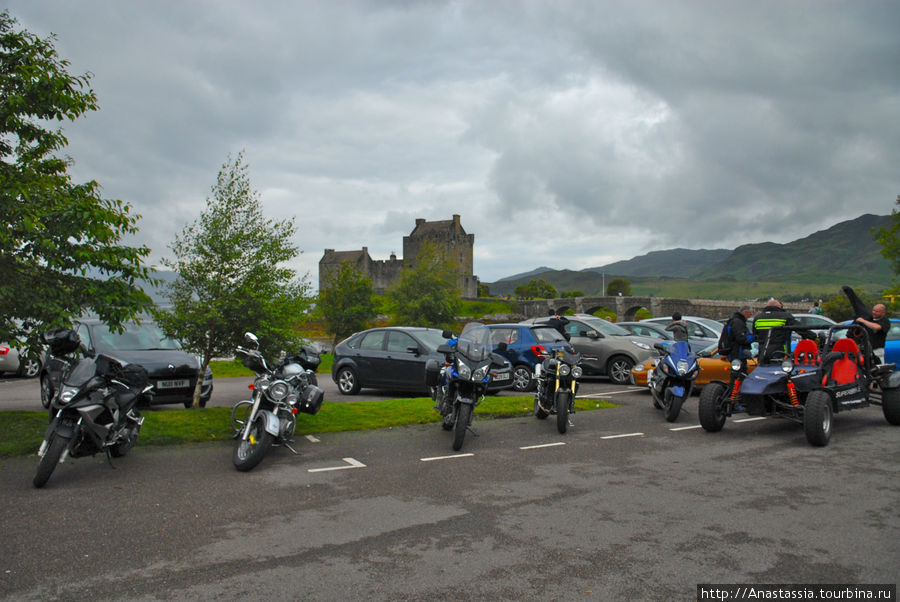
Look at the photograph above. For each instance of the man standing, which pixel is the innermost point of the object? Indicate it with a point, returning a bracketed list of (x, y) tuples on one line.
[(736, 339), (773, 341), (559, 323), (878, 328)]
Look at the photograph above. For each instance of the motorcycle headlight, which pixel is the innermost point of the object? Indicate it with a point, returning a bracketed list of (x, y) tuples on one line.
[(464, 371), (564, 370), (576, 371), (683, 367), (67, 393), (278, 390), (480, 374), (787, 365), (735, 364)]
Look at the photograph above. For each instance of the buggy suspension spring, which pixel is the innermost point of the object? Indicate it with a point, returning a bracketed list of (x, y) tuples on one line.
[(792, 393), (736, 390)]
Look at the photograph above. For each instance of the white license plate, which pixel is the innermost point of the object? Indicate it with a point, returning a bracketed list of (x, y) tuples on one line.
[(502, 376), (173, 384)]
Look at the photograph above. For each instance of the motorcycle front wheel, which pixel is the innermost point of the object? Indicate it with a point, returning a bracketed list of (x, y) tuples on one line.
[(51, 458), (673, 405), (562, 411), (249, 453), (239, 414), (463, 415)]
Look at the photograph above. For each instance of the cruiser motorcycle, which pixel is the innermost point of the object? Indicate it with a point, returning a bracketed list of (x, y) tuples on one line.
[(460, 384), (557, 382), (94, 409), (673, 379), (280, 392)]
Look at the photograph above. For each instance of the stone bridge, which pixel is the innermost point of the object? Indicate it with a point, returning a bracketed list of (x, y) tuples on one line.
[(625, 308)]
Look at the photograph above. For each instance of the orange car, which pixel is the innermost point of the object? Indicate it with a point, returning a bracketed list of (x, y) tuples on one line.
[(712, 367)]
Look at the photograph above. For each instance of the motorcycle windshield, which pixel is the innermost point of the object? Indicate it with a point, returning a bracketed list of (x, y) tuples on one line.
[(474, 343), (680, 349), (83, 372)]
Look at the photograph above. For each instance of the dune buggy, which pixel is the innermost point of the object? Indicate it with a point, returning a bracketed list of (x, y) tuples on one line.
[(808, 387)]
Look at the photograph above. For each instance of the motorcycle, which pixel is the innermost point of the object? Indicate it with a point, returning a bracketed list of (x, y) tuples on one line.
[(460, 384), (95, 407), (673, 379), (557, 381), (280, 392)]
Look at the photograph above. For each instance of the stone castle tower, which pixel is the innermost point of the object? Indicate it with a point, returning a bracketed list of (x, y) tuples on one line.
[(446, 236)]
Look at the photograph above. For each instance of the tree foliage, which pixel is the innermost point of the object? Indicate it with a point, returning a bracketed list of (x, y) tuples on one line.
[(347, 301), (61, 243), (889, 239), (618, 286), (537, 288), (231, 275), (427, 294)]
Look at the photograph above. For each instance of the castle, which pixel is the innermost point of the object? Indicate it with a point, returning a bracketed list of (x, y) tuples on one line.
[(447, 236)]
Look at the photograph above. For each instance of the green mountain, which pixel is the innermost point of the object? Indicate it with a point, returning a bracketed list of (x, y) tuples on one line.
[(846, 253)]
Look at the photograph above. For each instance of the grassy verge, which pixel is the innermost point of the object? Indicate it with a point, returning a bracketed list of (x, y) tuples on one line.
[(21, 432)]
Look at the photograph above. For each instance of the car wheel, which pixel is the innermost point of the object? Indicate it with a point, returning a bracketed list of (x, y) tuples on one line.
[(522, 380), (29, 367), (618, 369), (347, 381)]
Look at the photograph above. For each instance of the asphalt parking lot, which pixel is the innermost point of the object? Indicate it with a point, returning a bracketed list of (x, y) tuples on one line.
[(623, 506)]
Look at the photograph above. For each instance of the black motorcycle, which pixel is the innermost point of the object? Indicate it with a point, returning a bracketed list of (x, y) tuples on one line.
[(280, 392), (557, 382), (460, 384), (94, 409)]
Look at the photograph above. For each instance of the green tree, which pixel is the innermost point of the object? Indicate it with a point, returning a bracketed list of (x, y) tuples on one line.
[(231, 277), (618, 286), (347, 301), (890, 241), (483, 290), (537, 288), (571, 294), (426, 295), (61, 243)]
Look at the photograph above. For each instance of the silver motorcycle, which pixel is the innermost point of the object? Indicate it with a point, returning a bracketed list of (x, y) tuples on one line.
[(280, 392)]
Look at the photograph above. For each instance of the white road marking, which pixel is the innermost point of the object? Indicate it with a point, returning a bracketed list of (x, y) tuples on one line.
[(350, 461), (432, 459), (752, 419), (312, 439), (604, 393), (621, 436), (686, 428), (543, 445)]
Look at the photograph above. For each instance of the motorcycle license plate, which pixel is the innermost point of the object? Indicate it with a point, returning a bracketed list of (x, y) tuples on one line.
[(180, 383), (502, 376)]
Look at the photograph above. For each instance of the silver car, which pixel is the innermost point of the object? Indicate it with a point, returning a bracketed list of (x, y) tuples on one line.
[(701, 331), (12, 360), (609, 350)]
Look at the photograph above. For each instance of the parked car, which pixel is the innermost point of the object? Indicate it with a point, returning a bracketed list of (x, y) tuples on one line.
[(658, 331), (712, 367), (172, 371), (12, 359), (526, 346), (702, 332), (608, 349), (392, 358)]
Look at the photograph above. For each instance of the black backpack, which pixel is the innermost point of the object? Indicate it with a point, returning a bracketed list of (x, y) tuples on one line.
[(726, 344)]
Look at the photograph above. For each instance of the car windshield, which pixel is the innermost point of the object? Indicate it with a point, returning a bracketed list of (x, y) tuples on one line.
[(713, 325), (605, 327), (144, 336)]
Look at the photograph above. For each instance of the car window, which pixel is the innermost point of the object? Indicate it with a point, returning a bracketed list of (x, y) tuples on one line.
[(606, 327), (697, 331), (143, 336), (547, 335), (504, 335), (432, 338), (649, 332), (373, 340), (400, 341), (894, 333), (85, 335)]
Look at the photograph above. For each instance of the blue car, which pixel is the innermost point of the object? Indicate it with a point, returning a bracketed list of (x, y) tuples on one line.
[(892, 344), (526, 346)]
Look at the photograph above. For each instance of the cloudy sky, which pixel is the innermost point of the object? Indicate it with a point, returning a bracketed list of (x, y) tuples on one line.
[(569, 134)]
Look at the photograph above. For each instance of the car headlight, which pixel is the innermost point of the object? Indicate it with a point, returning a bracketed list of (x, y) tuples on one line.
[(787, 365), (641, 345), (564, 369), (577, 372), (278, 390)]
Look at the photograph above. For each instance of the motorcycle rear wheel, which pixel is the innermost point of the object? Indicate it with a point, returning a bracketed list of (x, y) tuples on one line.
[(463, 415), (51, 458), (120, 449), (247, 454), (562, 411)]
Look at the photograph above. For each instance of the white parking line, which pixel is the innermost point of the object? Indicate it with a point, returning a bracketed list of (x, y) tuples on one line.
[(350, 461), (752, 419), (686, 428), (621, 436), (543, 445), (312, 439), (445, 457), (604, 393)]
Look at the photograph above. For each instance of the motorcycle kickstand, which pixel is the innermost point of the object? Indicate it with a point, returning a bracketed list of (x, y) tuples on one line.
[(287, 444), (471, 430), (109, 458)]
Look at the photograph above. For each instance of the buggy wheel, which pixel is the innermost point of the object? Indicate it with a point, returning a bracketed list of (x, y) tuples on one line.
[(712, 407), (817, 417), (890, 404)]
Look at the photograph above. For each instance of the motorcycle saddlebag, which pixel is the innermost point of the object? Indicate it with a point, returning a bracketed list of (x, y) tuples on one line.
[(310, 399), (62, 340), (432, 373)]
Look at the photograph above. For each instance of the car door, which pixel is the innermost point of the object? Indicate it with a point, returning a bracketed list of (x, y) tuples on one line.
[(371, 358), (404, 368), (589, 342)]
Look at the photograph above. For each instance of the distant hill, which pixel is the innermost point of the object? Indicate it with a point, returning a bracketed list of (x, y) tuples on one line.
[(846, 253)]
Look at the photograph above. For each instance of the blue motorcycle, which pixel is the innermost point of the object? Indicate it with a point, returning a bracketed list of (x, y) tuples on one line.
[(673, 379)]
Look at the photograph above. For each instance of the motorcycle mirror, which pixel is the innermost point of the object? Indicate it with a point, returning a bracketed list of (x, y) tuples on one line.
[(249, 337), (447, 334), (502, 346)]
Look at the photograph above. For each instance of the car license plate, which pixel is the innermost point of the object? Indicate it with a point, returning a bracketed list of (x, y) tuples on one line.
[(173, 384), (501, 376)]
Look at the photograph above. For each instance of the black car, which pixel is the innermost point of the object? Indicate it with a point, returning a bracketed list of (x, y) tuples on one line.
[(172, 371), (392, 359)]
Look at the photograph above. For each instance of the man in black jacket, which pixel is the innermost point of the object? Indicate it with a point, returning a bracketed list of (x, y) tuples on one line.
[(774, 342), (736, 339)]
